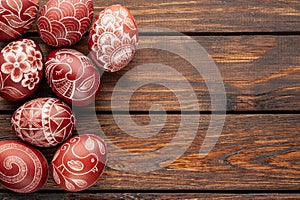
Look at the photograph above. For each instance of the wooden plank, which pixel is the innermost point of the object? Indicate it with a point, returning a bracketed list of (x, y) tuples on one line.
[(254, 152), (212, 16), (259, 73), (145, 196)]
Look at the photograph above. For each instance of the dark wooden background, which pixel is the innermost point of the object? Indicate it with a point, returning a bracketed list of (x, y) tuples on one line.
[(256, 46)]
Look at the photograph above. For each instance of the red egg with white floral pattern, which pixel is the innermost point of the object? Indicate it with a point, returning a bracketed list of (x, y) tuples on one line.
[(16, 17), (113, 38), (21, 69), (23, 169), (64, 22), (72, 76), (43, 122), (79, 162)]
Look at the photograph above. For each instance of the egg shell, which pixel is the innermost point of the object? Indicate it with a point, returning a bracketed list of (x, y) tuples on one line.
[(16, 17), (72, 77), (21, 69), (23, 169), (113, 38), (43, 122), (79, 162), (64, 22)]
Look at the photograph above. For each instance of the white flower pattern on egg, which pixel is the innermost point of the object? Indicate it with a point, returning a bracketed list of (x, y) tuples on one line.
[(113, 39), (21, 69)]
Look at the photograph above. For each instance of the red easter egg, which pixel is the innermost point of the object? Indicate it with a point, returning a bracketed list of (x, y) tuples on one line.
[(16, 17), (23, 169), (43, 122), (113, 38), (21, 69), (79, 162), (64, 22), (72, 76)]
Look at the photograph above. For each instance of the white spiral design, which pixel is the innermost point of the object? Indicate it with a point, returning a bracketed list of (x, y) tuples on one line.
[(8, 163)]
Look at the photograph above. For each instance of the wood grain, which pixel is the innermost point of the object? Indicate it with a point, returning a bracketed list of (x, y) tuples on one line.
[(256, 47), (146, 196), (212, 16), (259, 73), (254, 152)]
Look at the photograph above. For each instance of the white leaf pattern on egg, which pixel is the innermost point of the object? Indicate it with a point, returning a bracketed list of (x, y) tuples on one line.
[(130, 24), (89, 144), (87, 84), (55, 176), (75, 165), (80, 183), (56, 155), (69, 185), (101, 147)]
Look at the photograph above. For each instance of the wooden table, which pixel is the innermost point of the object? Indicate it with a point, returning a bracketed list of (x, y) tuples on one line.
[(256, 48)]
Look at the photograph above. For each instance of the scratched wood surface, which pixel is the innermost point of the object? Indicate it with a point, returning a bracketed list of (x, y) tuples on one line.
[(256, 47), (259, 73), (253, 152), (212, 16), (151, 196)]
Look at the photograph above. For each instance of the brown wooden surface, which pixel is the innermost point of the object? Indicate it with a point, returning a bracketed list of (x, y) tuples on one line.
[(259, 73), (150, 196), (254, 152), (256, 47), (212, 16)]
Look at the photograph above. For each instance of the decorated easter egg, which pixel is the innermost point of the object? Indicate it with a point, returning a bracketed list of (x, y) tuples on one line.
[(113, 38), (16, 17), (21, 69), (72, 76), (79, 162), (43, 122), (64, 22), (23, 169)]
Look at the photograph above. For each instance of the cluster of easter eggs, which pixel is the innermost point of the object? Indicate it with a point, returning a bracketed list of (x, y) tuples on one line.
[(74, 78)]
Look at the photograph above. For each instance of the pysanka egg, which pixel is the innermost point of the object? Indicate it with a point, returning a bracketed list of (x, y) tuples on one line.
[(16, 17), (21, 69), (113, 38), (64, 22), (72, 76), (79, 162), (23, 169), (43, 122)]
